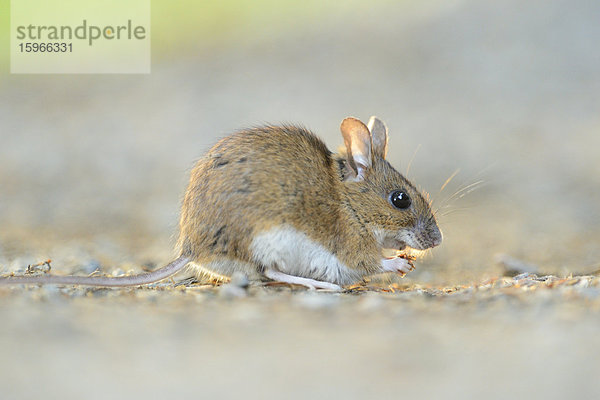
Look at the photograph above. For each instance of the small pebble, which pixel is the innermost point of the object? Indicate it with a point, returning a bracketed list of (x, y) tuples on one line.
[(90, 266), (583, 283), (513, 266), (117, 272), (239, 279), (524, 275)]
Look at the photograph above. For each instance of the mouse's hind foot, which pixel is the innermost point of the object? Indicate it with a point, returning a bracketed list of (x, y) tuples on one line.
[(297, 280)]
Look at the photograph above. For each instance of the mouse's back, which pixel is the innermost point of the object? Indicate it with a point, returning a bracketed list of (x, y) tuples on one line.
[(254, 180)]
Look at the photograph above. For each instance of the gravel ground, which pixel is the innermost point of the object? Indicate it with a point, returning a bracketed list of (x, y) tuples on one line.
[(92, 169), (518, 338)]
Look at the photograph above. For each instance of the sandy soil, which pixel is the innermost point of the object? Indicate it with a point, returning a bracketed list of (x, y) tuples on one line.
[(92, 169)]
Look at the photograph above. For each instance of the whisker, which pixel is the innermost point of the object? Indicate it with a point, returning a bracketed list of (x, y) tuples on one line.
[(485, 169), (468, 191), (442, 206), (459, 194), (449, 179), (454, 210), (472, 186)]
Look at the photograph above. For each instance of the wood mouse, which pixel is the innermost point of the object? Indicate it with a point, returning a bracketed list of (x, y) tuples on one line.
[(273, 201)]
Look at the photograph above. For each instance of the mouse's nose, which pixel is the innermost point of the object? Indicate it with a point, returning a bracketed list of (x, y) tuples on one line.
[(433, 235), (437, 241), (427, 234)]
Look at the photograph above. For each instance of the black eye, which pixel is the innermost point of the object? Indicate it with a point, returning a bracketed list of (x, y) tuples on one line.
[(400, 199)]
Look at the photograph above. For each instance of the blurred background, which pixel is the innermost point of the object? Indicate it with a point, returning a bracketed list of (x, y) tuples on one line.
[(507, 93), (93, 167)]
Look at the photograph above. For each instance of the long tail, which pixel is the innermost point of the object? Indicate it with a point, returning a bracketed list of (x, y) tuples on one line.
[(134, 280)]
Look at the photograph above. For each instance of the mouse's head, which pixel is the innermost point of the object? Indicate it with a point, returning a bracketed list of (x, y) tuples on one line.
[(381, 199)]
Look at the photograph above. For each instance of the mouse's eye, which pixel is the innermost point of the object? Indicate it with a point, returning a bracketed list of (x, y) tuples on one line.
[(400, 199)]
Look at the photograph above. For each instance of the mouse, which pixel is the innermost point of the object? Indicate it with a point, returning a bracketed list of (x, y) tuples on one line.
[(274, 202)]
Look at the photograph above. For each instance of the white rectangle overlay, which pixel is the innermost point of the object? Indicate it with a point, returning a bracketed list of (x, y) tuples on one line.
[(80, 36)]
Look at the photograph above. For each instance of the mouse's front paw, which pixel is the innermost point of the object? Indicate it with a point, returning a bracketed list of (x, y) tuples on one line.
[(398, 264)]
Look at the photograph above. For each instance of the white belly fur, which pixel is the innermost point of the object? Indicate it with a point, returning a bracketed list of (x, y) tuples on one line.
[(292, 252)]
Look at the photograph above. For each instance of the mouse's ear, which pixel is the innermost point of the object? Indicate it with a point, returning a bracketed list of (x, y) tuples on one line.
[(357, 139), (379, 136)]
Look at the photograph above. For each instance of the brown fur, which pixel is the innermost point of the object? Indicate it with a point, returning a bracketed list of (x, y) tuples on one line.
[(265, 177)]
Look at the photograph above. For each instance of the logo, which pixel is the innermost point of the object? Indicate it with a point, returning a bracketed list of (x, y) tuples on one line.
[(85, 36)]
